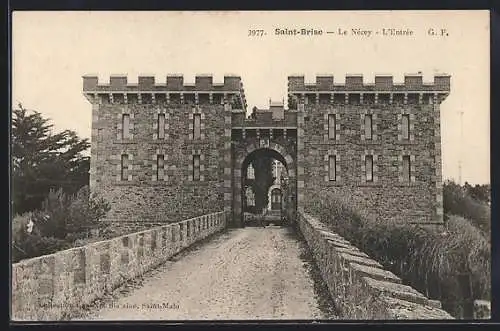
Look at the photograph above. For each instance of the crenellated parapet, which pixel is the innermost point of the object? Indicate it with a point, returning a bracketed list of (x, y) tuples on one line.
[(264, 120), (118, 90), (325, 90)]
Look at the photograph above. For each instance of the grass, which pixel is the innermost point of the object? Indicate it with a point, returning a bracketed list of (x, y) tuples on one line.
[(451, 266)]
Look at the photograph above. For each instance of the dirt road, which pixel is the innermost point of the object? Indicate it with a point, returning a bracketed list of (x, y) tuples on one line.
[(250, 273)]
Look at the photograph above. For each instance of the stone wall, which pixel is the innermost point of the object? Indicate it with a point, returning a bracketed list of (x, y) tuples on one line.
[(161, 123), (388, 195), (417, 199), (50, 287), (174, 195), (360, 287)]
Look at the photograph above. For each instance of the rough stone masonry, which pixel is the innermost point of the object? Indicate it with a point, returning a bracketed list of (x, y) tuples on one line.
[(162, 152)]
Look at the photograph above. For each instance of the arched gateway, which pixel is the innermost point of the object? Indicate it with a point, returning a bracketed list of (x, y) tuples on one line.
[(280, 146)]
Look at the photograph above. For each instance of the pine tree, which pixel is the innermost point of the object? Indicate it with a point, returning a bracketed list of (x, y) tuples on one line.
[(43, 160)]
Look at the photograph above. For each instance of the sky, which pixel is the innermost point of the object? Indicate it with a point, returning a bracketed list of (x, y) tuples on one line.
[(51, 51)]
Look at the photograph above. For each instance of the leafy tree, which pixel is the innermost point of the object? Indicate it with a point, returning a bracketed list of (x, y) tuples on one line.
[(43, 160), (461, 201), (479, 192)]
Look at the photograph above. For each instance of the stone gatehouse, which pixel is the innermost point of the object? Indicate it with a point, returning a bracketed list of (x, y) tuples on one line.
[(163, 152)]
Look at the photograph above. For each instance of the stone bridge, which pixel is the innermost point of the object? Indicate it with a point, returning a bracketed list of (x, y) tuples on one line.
[(200, 269)]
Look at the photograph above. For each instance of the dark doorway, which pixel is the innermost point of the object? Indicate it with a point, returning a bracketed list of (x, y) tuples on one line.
[(276, 199), (263, 172)]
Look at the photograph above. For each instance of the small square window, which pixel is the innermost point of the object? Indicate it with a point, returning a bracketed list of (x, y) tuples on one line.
[(197, 126), (160, 165), (125, 126), (406, 126), (369, 168), (406, 168), (332, 170), (161, 126), (124, 167), (368, 127), (196, 167), (332, 121)]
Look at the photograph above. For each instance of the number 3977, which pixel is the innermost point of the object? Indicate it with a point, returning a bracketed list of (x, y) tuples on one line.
[(256, 33)]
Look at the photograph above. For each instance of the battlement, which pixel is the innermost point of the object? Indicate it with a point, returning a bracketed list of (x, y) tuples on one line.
[(174, 84), (383, 83)]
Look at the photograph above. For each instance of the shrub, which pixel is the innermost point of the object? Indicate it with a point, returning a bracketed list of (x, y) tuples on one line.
[(26, 245), (458, 200), (440, 264), (72, 217), (52, 219), (63, 221), (474, 253), (85, 212)]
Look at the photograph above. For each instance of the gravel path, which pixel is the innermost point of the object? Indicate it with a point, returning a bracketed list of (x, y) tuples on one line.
[(250, 273)]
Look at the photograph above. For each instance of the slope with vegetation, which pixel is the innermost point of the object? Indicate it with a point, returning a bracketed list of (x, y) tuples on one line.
[(451, 265)]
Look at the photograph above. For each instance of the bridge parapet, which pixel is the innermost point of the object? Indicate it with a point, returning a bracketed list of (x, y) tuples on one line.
[(51, 287), (360, 286)]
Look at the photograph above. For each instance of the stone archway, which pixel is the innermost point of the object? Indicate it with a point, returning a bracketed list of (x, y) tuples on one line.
[(288, 159)]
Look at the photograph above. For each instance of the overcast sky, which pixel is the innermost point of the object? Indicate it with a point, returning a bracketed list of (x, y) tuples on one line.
[(52, 50)]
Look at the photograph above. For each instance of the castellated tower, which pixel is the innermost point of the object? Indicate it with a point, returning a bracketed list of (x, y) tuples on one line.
[(171, 151), (377, 145), (161, 152)]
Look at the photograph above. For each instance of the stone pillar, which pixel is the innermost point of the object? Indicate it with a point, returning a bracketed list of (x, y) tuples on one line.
[(237, 193), (482, 309), (94, 144), (437, 156), (228, 169), (298, 189)]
